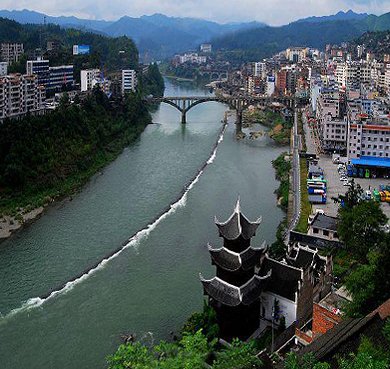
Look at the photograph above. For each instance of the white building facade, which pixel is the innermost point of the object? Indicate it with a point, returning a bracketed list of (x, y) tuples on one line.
[(89, 79), (129, 80), (19, 95)]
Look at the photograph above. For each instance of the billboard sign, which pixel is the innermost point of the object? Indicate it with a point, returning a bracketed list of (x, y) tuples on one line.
[(80, 49)]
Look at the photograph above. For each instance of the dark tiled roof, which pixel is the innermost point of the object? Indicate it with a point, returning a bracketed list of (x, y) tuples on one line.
[(230, 295), (325, 222), (233, 261), (237, 225), (301, 257), (284, 278), (313, 241)]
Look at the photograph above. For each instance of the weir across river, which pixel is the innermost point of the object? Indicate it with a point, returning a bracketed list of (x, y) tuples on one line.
[(185, 103)]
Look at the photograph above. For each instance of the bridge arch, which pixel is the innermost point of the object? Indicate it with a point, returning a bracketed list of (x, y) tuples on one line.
[(184, 104)]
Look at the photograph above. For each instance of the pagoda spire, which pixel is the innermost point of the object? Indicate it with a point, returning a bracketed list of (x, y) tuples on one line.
[(237, 225)]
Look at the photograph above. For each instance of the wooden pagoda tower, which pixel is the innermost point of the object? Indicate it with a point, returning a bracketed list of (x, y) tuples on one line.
[(234, 292)]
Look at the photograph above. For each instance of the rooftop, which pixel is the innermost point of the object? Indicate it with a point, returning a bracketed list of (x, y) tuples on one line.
[(284, 279), (313, 241), (233, 261), (230, 295), (372, 161), (325, 222), (237, 225)]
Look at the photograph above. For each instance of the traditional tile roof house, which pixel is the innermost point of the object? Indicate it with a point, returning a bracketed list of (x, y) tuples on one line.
[(250, 286)]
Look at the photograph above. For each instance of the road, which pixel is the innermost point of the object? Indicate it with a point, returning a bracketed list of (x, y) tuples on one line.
[(296, 177)]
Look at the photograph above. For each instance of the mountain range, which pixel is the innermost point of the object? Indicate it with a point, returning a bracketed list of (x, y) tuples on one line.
[(260, 43), (159, 36)]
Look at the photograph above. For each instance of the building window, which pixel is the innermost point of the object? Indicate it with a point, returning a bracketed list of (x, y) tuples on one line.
[(315, 230), (325, 232)]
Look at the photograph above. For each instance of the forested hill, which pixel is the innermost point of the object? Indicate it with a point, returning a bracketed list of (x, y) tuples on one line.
[(43, 157), (104, 50), (376, 42), (259, 43)]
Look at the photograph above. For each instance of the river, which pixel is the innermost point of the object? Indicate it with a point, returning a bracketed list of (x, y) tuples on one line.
[(152, 285)]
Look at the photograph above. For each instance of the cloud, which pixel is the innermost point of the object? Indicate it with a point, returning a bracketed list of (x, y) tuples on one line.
[(274, 12)]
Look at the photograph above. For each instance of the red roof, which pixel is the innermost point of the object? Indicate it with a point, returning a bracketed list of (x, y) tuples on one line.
[(383, 310)]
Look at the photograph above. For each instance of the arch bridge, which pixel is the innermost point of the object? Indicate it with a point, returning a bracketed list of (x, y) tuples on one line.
[(185, 103)]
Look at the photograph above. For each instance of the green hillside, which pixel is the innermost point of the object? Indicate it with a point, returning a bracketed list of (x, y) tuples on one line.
[(259, 43), (104, 50)]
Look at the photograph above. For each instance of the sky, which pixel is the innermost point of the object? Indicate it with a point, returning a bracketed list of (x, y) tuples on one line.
[(272, 12)]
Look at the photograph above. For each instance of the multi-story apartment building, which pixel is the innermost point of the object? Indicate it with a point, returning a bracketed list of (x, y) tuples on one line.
[(259, 69), (19, 95), (367, 137), (3, 68), (89, 78), (296, 54), (40, 68), (129, 80), (334, 133), (60, 77), (11, 53), (331, 124)]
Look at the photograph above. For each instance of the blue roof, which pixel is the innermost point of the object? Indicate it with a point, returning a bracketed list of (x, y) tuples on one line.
[(372, 161)]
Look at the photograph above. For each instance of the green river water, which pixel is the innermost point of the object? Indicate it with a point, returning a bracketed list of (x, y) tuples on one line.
[(152, 285)]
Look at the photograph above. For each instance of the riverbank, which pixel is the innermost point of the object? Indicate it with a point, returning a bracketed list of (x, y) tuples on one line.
[(282, 166), (280, 128), (67, 148)]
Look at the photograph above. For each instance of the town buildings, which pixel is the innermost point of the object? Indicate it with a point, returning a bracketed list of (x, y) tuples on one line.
[(19, 95), (60, 78), (11, 52), (40, 68)]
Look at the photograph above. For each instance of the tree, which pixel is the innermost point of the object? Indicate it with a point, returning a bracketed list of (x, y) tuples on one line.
[(206, 321), (369, 283), (361, 222), (351, 198), (360, 227), (240, 355), (190, 352)]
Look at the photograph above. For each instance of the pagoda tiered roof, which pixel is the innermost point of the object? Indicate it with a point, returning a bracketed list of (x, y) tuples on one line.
[(233, 261), (237, 225), (231, 295)]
